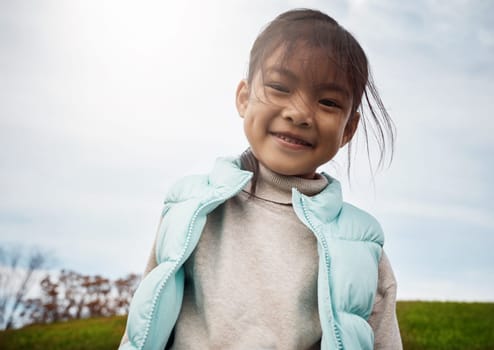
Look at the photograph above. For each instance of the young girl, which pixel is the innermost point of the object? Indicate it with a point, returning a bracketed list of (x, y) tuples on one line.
[(262, 253)]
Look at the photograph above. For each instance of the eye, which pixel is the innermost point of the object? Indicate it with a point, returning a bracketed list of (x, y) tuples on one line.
[(278, 87), (329, 103)]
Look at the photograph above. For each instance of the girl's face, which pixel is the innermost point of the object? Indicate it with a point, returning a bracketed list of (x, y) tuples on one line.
[(297, 111)]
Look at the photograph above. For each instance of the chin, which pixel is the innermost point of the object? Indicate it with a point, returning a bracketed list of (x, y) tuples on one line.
[(288, 171)]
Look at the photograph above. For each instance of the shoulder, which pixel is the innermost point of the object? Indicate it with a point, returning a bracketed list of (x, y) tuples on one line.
[(360, 224), (186, 188), (225, 176)]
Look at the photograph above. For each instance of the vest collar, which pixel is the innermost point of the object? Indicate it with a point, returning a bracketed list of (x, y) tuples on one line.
[(325, 206), (322, 208)]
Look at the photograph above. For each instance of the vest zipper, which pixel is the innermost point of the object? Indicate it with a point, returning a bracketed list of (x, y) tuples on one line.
[(324, 243), (182, 254)]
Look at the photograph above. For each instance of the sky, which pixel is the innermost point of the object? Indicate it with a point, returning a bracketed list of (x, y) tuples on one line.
[(104, 104)]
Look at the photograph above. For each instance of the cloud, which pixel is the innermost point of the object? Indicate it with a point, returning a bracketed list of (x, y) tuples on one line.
[(477, 217), (103, 106), (445, 289)]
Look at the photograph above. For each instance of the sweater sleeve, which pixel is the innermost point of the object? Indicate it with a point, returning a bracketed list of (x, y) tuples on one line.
[(151, 264), (383, 318)]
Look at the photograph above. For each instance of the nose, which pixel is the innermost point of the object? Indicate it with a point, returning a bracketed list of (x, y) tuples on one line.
[(299, 112)]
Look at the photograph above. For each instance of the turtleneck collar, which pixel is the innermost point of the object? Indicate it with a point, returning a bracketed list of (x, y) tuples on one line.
[(278, 188)]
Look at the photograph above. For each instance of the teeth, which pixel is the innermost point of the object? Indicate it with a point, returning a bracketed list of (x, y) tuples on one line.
[(291, 140)]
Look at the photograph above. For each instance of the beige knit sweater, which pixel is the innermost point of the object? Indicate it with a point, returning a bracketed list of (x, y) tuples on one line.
[(251, 282)]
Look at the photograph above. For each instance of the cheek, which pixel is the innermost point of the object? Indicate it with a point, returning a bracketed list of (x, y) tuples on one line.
[(250, 131), (256, 121), (333, 138)]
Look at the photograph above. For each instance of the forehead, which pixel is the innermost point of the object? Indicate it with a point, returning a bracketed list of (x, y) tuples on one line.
[(305, 63)]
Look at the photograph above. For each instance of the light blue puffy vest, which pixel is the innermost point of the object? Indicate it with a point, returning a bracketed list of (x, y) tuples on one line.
[(349, 247)]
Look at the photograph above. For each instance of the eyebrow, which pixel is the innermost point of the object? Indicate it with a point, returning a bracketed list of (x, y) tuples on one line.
[(282, 71), (324, 86), (334, 87)]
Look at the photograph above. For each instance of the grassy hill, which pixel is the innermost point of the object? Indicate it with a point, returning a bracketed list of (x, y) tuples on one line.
[(448, 325), (423, 325)]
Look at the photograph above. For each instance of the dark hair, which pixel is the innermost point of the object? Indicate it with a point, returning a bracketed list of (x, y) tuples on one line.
[(318, 30)]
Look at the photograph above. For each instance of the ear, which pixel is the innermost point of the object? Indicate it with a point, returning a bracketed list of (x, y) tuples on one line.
[(350, 128), (242, 97)]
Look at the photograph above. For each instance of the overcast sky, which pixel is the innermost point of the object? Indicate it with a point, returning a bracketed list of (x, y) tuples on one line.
[(104, 104)]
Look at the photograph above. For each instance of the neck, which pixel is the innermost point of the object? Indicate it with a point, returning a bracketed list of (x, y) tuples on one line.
[(278, 188)]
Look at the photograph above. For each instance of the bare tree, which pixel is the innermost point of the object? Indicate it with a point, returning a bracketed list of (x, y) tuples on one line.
[(71, 295), (126, 287), (18, 268)]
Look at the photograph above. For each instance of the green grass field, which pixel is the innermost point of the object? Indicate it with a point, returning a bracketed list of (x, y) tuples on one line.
[(423, 325), (94, 334), (434, 325)]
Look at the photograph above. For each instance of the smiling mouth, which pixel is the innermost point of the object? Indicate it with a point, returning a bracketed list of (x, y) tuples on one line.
[(292, 139)]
